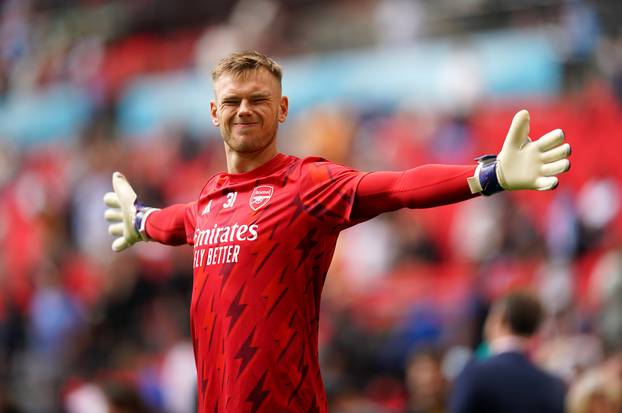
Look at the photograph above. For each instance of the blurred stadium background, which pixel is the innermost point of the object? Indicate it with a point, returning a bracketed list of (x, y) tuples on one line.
[(92, 86)]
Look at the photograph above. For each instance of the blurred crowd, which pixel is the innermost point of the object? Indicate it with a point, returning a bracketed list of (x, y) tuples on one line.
[(83, 329)]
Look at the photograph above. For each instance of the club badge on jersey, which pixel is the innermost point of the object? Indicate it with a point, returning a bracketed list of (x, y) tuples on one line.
[(260, 196)]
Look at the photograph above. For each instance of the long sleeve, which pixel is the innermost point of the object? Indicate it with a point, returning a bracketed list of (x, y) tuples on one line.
[(173, 225), (422, 187)]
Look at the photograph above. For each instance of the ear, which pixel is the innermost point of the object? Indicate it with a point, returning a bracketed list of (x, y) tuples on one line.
[(283, 109), (214, 113)]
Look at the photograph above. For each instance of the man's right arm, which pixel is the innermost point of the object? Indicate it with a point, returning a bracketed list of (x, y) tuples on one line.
[(130, 222), (173, 225)]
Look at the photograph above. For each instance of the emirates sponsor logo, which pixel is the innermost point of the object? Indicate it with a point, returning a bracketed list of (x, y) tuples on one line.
[(260, 196)]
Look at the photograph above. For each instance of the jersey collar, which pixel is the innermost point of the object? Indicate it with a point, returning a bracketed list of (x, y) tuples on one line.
[(267, 168)]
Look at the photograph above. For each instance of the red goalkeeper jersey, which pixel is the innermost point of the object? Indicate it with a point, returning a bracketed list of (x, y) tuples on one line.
[(263, 242)]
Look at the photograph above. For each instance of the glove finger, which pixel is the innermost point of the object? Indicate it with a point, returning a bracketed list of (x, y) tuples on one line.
[(555, 154), (550, 140), (112, 200), (116, 229), (546, 183), (519, 129), (555, 168), (123, 189), (113, 215), (119, 244)]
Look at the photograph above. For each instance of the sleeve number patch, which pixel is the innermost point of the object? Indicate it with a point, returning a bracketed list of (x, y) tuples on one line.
[(231, 196)]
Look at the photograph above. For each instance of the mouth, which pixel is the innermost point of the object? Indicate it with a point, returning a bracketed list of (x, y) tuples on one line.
[(245, 124)]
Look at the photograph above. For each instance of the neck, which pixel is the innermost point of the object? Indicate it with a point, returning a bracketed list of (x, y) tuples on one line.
[(238, 163), (508, 343)]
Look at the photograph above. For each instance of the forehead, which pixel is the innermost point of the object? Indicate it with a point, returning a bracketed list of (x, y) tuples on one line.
[(246, 83)]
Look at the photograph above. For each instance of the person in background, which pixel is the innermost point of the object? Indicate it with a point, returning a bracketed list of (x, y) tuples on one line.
[(426, 384), (599, 389), (508, 381)]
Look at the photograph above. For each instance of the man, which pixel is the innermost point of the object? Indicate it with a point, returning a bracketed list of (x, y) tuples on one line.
[(508, 381), (264, 234)]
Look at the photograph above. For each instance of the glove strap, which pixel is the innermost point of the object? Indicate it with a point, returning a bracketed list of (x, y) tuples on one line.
[(485, 180), (142, 212)]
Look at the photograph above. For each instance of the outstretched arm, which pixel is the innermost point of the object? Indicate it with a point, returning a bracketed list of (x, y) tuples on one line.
[(170, 225), (521, 164), (131, 222), (422, 187)]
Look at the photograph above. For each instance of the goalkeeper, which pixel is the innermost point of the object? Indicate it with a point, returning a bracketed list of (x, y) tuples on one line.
[(264, 233)]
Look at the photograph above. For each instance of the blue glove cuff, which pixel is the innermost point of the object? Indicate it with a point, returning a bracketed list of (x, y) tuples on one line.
[(139, 222), (488, 175)]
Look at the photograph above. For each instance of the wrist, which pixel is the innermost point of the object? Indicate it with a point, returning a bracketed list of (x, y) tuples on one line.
[(485, 180), (140, 221)]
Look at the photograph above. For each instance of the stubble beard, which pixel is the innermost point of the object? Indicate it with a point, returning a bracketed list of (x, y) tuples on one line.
[(248, 144)]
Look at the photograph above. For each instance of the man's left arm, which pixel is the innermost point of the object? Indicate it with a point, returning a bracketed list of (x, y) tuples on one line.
[(521, 164), (422, 187)]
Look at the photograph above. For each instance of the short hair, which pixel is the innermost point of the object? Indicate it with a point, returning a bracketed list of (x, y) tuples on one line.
[(242, 62), (522, 312)]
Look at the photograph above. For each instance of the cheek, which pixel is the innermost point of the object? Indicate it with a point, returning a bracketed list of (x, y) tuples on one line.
[(225, 118), (271, 115)]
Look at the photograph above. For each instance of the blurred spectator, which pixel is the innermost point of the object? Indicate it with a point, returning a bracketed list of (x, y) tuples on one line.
[(508, 381), (598, 390), (606, 291), (562, 228), (178, 378), (398, 21), (86, 397), (475, 236), (427, 387), (415, 242), (579, 34), (555, 283), (567, 353), (598, 205), (365, 254), (609, 61), (352, 401), (109, 397)]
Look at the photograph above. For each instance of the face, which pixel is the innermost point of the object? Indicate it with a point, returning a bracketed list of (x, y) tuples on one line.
[(247, 109), (425, 381)]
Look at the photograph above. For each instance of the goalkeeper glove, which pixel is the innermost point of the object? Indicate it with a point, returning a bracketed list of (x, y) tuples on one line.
[(522, 164), (126, 217)]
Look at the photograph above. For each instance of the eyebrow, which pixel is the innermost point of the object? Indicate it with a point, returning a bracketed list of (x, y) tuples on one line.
[(252, 96)]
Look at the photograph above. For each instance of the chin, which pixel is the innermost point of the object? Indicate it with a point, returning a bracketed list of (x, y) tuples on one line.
[(247, 144), (241, 147)]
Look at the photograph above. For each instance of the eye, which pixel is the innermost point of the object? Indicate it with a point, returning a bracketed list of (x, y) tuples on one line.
[(230, 102)]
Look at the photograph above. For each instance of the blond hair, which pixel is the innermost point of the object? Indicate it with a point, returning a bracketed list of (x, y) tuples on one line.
[(241, 62)]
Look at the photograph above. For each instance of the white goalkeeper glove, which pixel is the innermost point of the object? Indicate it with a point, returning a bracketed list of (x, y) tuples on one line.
[(522, 164), (126, 217)]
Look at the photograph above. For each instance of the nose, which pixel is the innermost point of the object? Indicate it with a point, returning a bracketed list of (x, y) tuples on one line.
[(245, 108)]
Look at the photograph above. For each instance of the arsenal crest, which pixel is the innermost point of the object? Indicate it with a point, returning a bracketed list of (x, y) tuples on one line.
[(260, 196)]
